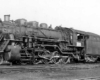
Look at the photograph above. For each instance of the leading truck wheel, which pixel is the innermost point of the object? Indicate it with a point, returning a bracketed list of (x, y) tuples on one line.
[(68, 60), (64, 60), (55, 57), (45, 55), (91, 59), (54, 60)]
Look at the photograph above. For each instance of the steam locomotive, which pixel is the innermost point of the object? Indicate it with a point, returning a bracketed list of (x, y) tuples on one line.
[(31, 43)]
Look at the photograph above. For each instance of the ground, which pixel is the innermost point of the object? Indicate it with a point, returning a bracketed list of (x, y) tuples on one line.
[(51, 72)]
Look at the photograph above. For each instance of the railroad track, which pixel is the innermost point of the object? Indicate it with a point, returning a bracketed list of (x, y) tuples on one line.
[(75, 65), (51, 69)]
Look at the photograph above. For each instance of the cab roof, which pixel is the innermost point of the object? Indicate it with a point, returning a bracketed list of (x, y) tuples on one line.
[(86, 33)]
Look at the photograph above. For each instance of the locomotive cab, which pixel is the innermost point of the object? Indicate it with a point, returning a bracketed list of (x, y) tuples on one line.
[(79, 43), (80, 40)]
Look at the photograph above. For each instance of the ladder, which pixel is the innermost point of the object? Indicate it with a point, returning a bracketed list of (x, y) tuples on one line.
[(25, 56)]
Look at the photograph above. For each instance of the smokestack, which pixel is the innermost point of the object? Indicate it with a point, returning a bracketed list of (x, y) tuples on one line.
[(6, 17)]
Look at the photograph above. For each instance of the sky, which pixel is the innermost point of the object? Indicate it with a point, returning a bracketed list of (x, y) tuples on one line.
[(78, 14)]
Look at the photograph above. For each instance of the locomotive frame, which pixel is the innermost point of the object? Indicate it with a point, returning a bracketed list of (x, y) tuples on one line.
[(21, 43)]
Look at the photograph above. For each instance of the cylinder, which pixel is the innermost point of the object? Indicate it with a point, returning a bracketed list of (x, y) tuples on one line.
[(14, 54)]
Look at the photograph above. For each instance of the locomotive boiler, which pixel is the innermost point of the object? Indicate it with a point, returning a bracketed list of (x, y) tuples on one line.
[(30, 43)]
